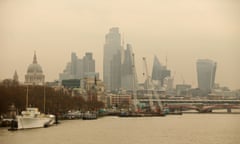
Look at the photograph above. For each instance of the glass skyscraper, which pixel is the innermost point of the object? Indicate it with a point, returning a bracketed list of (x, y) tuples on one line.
[(159, 72), (128, 72), (112, 57), (206, 70), (78, 68), (118, 63)]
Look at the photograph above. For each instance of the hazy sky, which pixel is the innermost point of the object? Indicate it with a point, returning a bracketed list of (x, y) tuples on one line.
[(182, 30)]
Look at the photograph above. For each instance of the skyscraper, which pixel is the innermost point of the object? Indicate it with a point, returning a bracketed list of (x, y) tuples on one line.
[(156, 69), (128, 70), (159, 72), (112, 47), (88, 63), (115, 72), (74, 62), (78, 68), (206, 70)]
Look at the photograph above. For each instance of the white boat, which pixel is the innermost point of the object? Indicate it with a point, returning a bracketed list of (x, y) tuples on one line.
[(32, 118)]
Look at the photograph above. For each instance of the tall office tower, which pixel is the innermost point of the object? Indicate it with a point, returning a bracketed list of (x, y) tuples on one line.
[(156, 70), (159, 72), (128, 72), (74, 62), (78, 68), (88, 63), (66, 74), (112, 47), (206, 70), (115, 71)]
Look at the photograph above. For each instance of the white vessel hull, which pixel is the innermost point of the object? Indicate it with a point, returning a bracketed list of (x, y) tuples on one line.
[(35, 122)]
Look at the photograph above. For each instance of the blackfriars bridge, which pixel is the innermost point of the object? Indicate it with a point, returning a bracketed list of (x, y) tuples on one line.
[(201, 105)]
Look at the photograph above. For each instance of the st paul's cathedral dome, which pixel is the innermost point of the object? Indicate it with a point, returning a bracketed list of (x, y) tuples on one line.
[(34, 74)]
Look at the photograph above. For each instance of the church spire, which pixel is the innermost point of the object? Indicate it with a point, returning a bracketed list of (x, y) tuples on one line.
[(15, 76), (35, 58)]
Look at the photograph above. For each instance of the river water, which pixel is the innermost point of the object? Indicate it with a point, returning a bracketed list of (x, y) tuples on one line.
[(175, 129)]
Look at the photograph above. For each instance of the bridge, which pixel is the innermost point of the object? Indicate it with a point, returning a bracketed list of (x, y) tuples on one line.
[(204, 101), (198, 105)]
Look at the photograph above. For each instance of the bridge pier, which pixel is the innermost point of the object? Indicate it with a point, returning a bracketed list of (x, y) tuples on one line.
[(229, 110)]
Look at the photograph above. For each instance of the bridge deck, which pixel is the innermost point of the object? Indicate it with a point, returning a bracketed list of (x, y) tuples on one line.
[(191, 101)]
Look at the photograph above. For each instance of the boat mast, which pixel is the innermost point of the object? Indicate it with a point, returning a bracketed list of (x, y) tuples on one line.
[(27, 98), (44, 98)]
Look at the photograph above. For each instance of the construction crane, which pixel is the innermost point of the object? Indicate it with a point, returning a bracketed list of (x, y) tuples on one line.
[(133, 75), (146, 74), (150, 88), (134, 97), (149, 85)]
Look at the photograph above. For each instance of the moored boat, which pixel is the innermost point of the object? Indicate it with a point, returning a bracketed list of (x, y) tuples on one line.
[(89, 116), (32, 118)]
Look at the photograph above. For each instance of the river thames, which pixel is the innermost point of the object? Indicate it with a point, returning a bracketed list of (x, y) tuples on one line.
[(175, 129)]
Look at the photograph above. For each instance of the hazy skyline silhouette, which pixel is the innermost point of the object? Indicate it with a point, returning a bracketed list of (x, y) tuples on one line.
[(182, 31)]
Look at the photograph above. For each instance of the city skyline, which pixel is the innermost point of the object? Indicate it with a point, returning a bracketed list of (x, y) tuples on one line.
[(182, 33)]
